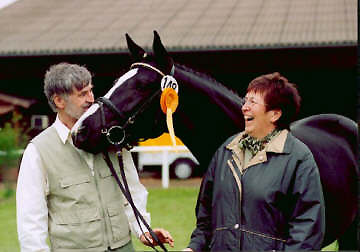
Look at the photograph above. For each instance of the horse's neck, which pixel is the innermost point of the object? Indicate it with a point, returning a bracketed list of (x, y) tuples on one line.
[(208, 114)]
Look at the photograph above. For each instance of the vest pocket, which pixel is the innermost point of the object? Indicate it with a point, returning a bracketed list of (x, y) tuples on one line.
[(73, 190), (74, 180), (79, 228), (118, 221)]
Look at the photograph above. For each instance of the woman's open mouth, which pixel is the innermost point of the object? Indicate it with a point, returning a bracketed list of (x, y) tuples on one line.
[(248, 118)]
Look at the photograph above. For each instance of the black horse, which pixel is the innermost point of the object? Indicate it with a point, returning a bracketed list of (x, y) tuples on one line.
[(207, 114)]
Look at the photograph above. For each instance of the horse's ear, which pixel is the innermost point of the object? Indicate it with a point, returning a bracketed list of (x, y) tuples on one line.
[(136, 51), (161, 55)]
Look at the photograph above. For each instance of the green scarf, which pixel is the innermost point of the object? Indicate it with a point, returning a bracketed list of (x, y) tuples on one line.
[(255, 145)]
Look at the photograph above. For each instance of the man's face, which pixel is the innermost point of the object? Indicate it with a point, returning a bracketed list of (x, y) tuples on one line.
[(79, 101)]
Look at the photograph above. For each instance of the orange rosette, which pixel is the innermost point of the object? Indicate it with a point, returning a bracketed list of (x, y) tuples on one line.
[(169, 99)]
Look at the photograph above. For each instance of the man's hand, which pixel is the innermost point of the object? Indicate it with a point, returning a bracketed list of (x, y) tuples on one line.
[(188, 249), (163, 235)]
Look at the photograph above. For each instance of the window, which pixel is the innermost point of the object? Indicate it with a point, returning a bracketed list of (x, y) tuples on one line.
[(39, 122)]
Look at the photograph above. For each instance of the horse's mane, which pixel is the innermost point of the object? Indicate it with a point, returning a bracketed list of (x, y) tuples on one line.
[(206, 77)]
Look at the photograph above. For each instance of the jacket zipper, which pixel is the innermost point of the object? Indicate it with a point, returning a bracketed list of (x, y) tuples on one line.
[(238, 179), (240, 219), (232, 164)]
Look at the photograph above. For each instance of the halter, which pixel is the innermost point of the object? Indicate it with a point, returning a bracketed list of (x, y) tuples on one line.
[(148, 66), (108, 132), (121, 143), (172, 71)]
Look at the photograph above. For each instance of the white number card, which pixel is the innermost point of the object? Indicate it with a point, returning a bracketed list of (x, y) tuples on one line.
[(169, 82)]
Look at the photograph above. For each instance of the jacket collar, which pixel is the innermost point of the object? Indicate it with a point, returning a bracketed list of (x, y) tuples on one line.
[(276, 145)]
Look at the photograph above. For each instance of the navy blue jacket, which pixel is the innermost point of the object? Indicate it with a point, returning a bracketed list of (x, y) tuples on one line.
[(274, 202)]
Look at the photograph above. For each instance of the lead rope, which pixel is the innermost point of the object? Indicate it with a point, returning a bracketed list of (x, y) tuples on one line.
[(126, 193), (130, 120)]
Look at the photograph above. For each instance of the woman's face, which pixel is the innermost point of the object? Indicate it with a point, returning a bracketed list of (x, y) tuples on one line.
[(258, 121)]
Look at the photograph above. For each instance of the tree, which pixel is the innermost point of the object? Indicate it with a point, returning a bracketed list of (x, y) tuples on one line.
[(13, 139)]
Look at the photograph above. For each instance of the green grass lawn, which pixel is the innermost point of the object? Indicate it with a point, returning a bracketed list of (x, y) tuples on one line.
[(8, 235), (172, 209)]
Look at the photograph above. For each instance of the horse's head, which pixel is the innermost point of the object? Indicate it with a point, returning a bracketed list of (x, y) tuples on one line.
[(118, 117)]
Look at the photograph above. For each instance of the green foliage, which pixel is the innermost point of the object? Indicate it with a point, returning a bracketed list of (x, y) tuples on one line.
[(12, 139), (7, 193)]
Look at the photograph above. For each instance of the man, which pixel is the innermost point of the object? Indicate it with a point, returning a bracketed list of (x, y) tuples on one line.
[(68, 194)]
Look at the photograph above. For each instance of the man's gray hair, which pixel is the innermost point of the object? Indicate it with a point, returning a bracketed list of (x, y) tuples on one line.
[(60, 79)]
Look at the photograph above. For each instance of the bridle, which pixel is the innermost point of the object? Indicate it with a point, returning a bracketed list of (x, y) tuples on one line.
[(113, 131), (123, 142)]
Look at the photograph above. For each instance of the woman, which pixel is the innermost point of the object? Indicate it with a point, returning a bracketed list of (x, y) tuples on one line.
[(262, 190)]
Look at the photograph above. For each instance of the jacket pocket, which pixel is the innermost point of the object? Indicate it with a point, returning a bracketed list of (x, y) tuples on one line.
[(257, 241), (79, 228), (118, 221), (224, 239)]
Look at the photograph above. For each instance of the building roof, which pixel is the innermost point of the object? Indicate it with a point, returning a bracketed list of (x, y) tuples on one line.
[(10, 102), (29, 27)]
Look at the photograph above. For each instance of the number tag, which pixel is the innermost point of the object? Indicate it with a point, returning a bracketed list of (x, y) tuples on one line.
[(169, 82)]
